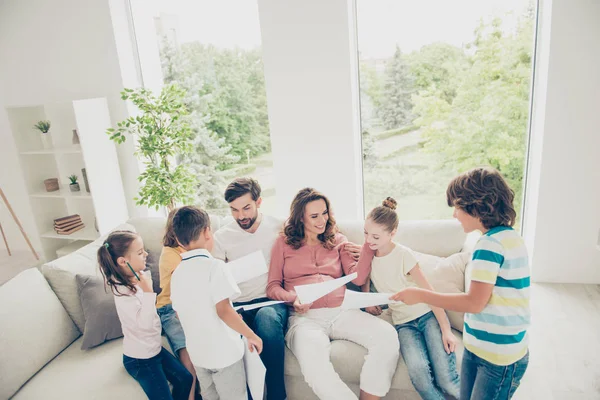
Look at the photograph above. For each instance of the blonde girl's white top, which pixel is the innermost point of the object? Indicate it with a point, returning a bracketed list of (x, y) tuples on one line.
[(140, 323), (390, 274)]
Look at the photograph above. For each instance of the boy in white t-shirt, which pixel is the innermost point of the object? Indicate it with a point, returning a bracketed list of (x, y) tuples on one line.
[(201, 289)]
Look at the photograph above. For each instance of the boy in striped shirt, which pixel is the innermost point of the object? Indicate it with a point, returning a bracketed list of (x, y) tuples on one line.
[(497, 302)]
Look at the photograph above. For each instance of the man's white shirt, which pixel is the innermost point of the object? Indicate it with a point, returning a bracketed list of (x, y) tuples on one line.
[(232, 242)]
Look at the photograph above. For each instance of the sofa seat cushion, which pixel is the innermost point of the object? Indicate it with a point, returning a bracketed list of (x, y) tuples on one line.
[(96, 374), (34, 329), (348, 359)]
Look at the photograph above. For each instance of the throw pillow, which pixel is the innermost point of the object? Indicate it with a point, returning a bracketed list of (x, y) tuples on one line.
[(446, 275), (99, 311)]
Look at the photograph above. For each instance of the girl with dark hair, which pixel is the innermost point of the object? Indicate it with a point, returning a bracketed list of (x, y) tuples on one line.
[(122, 260), (311, 250)]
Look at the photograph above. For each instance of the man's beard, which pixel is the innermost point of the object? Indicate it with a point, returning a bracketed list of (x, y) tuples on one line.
[(247, 222)]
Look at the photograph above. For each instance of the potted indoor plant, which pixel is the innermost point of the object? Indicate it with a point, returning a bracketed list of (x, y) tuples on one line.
[(44, 128), (74, 185), (163, 136)]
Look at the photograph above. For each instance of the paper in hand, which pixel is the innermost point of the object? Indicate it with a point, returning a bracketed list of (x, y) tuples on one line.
[(255, 372), (248, 267), (314, 291), (354, 299), (253, 306)]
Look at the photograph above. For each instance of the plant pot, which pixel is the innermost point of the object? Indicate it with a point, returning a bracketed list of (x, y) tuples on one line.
[(46, 140), (51, 184), (74, 187)]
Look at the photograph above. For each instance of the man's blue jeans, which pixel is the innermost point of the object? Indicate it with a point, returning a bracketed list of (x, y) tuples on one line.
[(270, 324), (482, 380), (431, 370)]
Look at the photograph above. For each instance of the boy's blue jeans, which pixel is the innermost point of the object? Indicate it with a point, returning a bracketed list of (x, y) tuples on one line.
[(482, 380), (432, 371), (153, 373), (270, 324)]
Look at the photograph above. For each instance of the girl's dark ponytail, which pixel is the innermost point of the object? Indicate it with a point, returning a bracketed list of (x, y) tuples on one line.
[(116, 245)]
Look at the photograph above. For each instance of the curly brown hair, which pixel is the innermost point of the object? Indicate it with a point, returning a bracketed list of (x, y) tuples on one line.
[(294, 227), (484, 194)]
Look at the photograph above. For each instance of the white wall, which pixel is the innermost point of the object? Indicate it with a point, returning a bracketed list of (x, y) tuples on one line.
[(312, 92), (54, 51), (562, 221)]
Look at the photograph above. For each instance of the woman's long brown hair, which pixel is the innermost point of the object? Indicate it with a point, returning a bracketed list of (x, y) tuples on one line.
[(294, 227)]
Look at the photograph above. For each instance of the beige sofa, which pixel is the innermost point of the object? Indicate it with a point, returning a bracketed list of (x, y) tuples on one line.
[(40, 340)]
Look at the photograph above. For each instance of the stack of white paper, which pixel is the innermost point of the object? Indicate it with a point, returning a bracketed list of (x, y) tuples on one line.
[(354, 299), (248, 267), (255, 372), (314, 291), (253, 306)]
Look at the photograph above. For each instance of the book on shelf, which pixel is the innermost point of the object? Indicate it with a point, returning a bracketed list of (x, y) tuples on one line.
[(68, 225), (70, 230), (67, 219)]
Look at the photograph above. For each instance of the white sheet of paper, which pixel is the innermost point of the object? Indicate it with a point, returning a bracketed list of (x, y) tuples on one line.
[(249, 307), (354, 299), (309, 293), (255, 372), (248, 267)]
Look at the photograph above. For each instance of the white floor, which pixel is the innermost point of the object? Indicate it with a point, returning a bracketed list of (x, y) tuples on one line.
[(564, 337), (565, 343)]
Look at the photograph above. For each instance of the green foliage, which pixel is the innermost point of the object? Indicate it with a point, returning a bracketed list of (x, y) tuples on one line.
[(211, 154), (396, 104), (369, 151), (42, 126), (439, 67), (395, 132), (73, 178), (163, 135), (486, 121)]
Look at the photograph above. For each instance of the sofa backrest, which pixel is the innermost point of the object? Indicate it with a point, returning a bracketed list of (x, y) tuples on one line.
[(35, 329), (436, 237)]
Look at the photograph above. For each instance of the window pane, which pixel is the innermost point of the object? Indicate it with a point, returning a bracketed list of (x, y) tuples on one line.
[(444, 87), (215, 54)]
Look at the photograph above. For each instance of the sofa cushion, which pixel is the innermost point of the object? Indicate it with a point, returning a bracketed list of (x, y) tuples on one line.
[(101, 319), (348, 358), (97, 374), (438, 237), (61, 272), (446, 275), (35, 328)]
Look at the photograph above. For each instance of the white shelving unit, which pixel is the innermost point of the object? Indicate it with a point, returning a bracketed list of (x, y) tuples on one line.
[(104, 206)]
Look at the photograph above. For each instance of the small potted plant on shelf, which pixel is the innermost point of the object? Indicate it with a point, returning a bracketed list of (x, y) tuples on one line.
[(74, 185), (44, 128)]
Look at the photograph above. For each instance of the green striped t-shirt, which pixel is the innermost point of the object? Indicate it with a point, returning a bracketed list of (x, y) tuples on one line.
[(498, 333)]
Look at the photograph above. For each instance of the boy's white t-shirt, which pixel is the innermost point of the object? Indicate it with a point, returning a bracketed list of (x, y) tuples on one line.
[(197, 285), (389, 274), (232, 242)]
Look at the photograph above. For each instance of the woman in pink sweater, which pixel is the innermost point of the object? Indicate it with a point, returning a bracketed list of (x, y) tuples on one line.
[(311, 250)]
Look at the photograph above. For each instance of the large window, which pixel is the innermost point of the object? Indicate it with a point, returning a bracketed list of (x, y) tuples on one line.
[(444, 87), (213, 50)]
